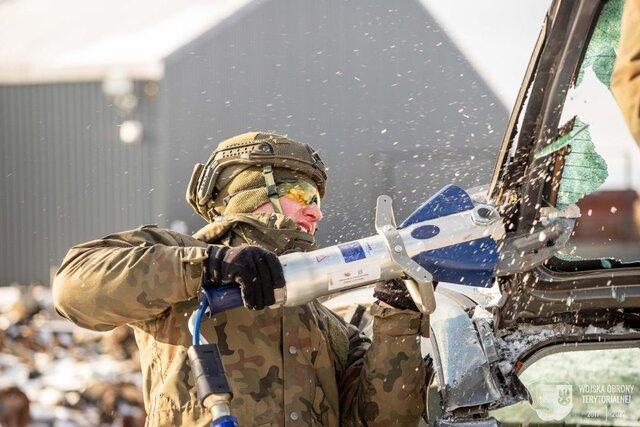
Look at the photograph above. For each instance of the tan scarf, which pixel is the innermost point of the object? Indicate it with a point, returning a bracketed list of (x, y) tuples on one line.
[(268, 230)]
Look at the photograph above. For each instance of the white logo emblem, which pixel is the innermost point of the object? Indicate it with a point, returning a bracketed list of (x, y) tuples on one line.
[(553, 402)]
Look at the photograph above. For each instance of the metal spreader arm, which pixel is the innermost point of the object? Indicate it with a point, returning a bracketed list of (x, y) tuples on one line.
[(420, 285)]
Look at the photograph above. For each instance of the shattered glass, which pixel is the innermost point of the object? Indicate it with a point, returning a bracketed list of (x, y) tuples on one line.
[(604, 263), (569, 257), (601, 160), (560, 142), (601, 53), (584, 169)]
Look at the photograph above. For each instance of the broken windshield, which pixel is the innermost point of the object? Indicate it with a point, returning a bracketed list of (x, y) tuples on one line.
[(599, 155)]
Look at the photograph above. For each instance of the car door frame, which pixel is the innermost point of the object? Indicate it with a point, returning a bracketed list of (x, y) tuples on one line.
[(559, 289)]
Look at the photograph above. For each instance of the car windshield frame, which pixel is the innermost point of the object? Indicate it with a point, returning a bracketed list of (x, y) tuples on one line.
[(561, 288)]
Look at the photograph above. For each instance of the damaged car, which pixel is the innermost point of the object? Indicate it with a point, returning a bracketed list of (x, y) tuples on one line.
[(567, 281)]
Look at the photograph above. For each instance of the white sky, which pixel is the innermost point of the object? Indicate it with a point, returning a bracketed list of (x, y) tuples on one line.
[(71, 40), (497, 36)]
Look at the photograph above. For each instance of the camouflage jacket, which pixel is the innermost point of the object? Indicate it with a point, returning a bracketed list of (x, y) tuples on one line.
[(286, 366)]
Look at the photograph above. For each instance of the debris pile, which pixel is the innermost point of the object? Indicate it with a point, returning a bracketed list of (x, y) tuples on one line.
[(55, 374)]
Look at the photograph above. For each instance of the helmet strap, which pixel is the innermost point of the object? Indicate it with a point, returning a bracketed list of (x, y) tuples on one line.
[(272, 192)]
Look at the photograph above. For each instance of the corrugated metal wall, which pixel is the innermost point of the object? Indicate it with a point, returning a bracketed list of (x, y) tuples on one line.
[(66, 177), (355, 79)]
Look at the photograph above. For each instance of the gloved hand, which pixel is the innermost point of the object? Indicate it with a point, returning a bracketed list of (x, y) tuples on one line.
[(394, 293), (257, 271)]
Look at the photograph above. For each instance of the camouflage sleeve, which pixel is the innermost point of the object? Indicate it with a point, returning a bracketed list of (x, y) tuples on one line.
[(625, 80), (384, 385), (127, 277)]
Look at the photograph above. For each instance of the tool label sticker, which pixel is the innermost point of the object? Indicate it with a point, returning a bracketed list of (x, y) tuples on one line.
[(349, 277), (352, 251)]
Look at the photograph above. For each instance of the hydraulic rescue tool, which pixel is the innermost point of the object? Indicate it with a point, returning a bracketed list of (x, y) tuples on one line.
[(456, 236)]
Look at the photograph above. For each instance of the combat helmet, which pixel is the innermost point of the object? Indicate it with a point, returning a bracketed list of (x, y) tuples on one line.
[(248, 155)]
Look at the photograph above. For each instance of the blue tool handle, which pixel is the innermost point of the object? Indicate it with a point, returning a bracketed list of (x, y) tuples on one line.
[(225, 421), (222, 298)]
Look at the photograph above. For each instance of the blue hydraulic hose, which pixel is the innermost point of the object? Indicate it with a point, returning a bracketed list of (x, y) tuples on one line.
[(196, 326), (225, 420)]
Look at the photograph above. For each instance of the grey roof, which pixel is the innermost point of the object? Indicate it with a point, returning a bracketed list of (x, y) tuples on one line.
[(79, 40)]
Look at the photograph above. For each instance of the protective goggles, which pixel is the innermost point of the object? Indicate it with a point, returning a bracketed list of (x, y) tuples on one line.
[(299, 191)]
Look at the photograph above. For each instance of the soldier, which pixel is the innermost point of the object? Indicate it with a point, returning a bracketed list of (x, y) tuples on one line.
[(625, 80), (260, 193)]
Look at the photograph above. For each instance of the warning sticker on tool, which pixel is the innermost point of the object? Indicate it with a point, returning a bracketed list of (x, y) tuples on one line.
[(352, 251), (349, 277)]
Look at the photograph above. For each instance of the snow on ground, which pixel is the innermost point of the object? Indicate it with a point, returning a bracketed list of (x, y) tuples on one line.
[(71, 376)]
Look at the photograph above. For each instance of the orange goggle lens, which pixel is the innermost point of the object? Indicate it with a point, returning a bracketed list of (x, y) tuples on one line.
[(301, 192)]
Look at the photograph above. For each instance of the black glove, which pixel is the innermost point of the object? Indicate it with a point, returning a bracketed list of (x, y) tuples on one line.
[(257, 271), (394, 293)]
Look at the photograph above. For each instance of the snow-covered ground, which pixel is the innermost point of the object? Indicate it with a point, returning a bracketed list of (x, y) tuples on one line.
[(71, 376)]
